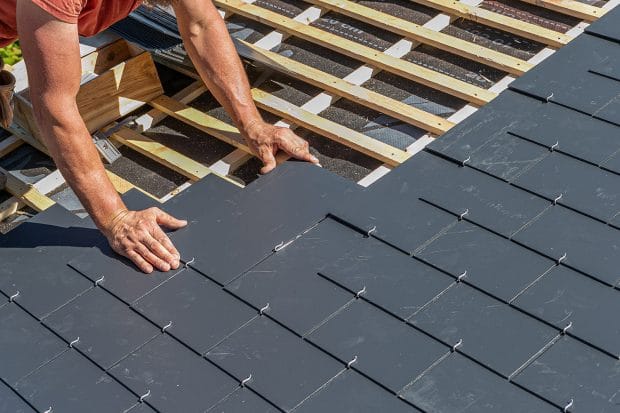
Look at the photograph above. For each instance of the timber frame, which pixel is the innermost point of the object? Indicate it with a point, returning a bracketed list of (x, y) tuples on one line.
[(112, 51)]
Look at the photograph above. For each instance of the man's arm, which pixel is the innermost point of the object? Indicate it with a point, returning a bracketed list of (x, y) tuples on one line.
[(52, 55), (212, 51)]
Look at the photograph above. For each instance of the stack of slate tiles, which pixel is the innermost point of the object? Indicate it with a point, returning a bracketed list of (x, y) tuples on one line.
[(482, 275)]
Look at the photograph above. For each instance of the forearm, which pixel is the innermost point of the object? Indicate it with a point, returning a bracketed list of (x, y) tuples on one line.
[(73, 151), (212, 51)]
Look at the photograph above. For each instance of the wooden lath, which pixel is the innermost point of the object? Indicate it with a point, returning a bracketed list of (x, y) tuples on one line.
[(423, 35), (403, 68)]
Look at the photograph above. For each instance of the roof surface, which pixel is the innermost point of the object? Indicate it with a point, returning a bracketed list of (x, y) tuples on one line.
[(481, 275)]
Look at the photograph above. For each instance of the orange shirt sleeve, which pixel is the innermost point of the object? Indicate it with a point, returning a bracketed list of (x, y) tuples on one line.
[(67, 11)]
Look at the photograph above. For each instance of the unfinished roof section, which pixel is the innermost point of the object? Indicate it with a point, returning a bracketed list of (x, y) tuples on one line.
[(486, 266)]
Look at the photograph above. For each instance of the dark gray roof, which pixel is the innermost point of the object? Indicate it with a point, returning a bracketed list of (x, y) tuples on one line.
[(481, 275)]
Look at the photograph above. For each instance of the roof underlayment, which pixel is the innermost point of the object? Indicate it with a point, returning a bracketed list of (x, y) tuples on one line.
[(480, 275)]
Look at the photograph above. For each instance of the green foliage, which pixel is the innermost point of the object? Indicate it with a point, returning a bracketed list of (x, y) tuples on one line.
[(11, 54)]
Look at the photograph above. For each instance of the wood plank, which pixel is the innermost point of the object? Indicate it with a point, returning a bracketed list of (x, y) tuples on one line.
[(571, 8), (332, 130), (9, 144), (430, 37), (498, 21), (201, 121), (342, 88), (408, 70), (26, 193)]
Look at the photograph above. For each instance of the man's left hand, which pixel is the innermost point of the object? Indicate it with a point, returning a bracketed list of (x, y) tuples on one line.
[(266, 140)]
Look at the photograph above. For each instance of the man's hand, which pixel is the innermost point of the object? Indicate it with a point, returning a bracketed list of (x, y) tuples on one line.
[(137, 235), (266, 140)]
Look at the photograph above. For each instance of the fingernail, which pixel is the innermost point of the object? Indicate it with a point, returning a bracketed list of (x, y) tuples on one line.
[(315, 159), (319, 165), (183, 222)]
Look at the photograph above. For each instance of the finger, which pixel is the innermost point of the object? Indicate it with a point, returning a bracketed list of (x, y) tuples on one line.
[(165, 247), (297, 148), (168, 221), (151, 258), (140, 262), (269, 161)]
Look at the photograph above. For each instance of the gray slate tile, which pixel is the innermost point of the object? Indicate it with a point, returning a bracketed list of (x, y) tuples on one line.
[(507, 156), (218, 240), (284, 368), (607, 27), (141, 408), (178, 379), (106, 327), (11, 402), (564, 296), (241, 401), (509, 110), (458, 384), (393, 280), (493, 333), (195, 306), (190, 204), (120, 276), (24, 344), (572, 370), (590, 246), (583, 187), (381, 344), (610, 111), (289, 280), (493, 264), (71, 383), (350, 392), (613, 163), (610, 67), (570, 132)]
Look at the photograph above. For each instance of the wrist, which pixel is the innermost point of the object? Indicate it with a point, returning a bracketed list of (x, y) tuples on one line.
[(249, 126), (113, 219)]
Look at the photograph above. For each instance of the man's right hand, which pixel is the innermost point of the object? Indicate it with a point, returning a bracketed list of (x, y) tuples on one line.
[(138, 236)]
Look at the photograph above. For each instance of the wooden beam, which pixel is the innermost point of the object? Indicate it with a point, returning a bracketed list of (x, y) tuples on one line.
[(9, 144), (423, 35), (403, 68), (358, 94), (498, 21), (571, 8), (26, 193), (332, 130), (201, 121)]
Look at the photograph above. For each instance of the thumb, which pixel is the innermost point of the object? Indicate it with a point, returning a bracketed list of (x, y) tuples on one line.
[(168, 221), (269, 162)]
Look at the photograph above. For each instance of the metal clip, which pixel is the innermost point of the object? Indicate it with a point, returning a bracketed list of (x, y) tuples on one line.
[(145, 395), (99, 281), (265, 308), (13, 297), (108, 151), (466, 161), (371, 230), (282, 245), (50, 410), (360, 292), (562, 258), (186, 266), (457, 345), (549, 97), (568, 326), (74, 342), (463, 214), (166, 327), (555, 146), (555, 201), (352, 362), (569, 405), (246, 380), (460, 277)]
